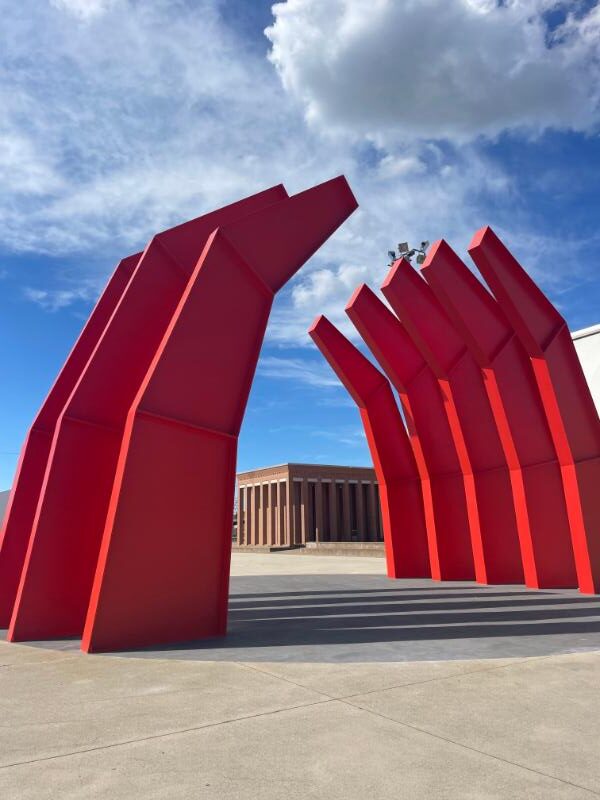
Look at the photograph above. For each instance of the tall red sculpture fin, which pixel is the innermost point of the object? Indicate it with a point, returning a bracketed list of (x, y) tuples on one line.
[(402, 507), (529, 311), (182, 432), (435, 451), (277, 258), (27, 484), (495, 541), (568, 404), (535, 474), (55, 585)]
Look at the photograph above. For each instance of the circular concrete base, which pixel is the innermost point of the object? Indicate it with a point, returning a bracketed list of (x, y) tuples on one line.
[(369, 618)]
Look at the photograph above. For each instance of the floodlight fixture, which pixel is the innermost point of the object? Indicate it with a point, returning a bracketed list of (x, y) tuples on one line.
[(392, 254), (421, 258), (403, 247)]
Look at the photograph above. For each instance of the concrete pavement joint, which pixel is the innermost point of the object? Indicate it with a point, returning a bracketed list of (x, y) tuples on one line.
[(394, 686), (347, 701), (472, 749), (164, 735)]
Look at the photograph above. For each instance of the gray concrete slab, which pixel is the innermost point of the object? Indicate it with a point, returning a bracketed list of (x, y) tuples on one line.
[(326, 751), (541, 713), (84, 701), (374, 689)]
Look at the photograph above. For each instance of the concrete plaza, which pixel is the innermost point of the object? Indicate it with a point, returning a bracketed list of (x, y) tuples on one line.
[(333, 683)]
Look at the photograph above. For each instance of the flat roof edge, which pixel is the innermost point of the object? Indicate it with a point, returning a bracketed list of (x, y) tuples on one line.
[(305, 464), (581, 334)]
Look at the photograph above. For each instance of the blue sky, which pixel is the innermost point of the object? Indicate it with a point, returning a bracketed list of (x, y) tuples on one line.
[(119, 118)]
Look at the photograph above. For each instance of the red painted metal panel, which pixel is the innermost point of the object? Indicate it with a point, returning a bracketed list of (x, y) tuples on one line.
[(172, 498), (513, 394), (402, 509), (61, 558), (449, 513), (569, 408), (496, 549), (25, 494)]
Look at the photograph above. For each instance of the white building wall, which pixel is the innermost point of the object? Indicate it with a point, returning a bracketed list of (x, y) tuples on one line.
[(587, 344)]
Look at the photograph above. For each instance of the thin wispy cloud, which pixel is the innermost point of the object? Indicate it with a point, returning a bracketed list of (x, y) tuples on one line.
[(313, 373)]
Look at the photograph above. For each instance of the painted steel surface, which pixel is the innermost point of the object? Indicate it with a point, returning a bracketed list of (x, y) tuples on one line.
[(519, 412), (567, 401), (495, 544), (57, 576), (402, 510), (182, 427), (445, 491), (33, 460)]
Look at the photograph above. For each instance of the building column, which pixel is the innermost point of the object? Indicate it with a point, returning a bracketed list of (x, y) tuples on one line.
[(303, 510), (255, 514), (333, 512), (290, 512), (347, 525), (319, 532), (372, 515), (262, 491), (296, 507), (240, 516), (272, 512), (280, 524), (360, 513), (379, 519)]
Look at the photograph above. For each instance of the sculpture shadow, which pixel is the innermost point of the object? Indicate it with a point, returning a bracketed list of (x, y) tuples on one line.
[(350, 618), (398, 622)]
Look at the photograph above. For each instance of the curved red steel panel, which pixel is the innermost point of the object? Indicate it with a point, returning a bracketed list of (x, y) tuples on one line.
[(446, 496), (182, 428), (58, 571), (25, 493), (568, 404), (402, 509), (496, 549), (518, 410)]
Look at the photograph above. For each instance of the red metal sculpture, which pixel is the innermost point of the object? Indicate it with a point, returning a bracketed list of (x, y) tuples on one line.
[(495, 544), (25, 494), (182, 427), (402, 511), (567, 401), (508, 379), (168, 378), (450, 508), (56, 580), (106, 534)]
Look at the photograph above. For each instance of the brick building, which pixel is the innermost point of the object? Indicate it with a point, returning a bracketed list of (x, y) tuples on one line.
[(299, 503)]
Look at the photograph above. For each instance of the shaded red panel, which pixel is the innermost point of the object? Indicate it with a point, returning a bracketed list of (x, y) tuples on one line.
[(449, 500), (568, 404), (496, 546), (402, 509), (55, 585), (519, 413), (25, 494), (172, 497)]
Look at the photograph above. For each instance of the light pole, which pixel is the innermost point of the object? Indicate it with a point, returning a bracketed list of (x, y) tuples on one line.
[(408, 253)]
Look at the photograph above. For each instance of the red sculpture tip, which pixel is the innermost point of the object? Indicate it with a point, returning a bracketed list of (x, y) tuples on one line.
[(478, 238), (361, 291), (317, 323), (399, 267)]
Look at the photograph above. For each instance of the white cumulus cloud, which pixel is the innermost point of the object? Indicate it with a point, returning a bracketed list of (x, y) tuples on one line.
[(440, 69)]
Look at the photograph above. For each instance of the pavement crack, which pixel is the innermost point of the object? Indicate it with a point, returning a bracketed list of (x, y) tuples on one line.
[(463, 746), (164, 735)]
